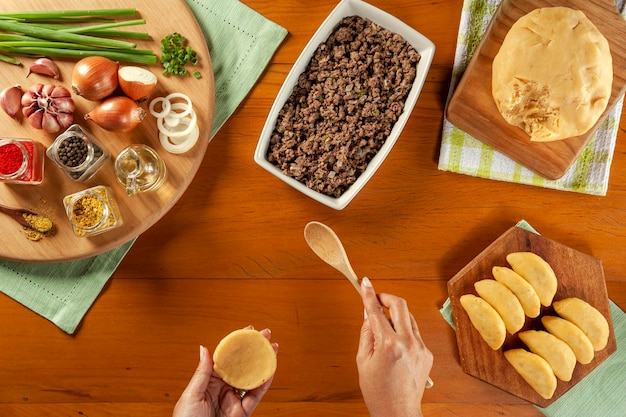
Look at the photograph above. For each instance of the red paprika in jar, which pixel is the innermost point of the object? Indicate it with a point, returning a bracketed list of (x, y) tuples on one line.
[(21, 161)]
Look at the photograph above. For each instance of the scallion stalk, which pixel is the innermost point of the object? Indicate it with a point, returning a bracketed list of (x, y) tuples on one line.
[(37, 43), (81, 29), (53, 14), (62, 36), (9, 59), (57, 34), (89, 30), (120, 55)]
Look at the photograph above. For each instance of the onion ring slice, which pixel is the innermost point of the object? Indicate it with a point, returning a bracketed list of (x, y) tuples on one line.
[(183, 146), (186, 110), (166, 107), (178, 133)]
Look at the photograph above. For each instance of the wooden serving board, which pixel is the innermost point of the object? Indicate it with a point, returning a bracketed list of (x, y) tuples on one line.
[(138, 212), (579, 275), (473, 109)]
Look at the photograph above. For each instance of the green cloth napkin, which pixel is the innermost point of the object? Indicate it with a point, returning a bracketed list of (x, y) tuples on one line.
[(602, 393), (464, 154), (241, 43)]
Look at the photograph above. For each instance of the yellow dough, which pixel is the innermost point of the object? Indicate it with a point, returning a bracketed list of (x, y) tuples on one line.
[(587, 318), (521, 288), (534, 369), (534, 269), (245, 359), (556, 352), (504, 301), (485, 319), (553, 74), (572, 335)]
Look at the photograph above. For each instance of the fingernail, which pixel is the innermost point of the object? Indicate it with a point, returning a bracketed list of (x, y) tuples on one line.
[(366, 282), (365, 314), (202, 353)]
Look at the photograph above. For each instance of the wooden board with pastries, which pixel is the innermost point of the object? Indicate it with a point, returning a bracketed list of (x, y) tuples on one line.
[(138, 212), (578, 274), (472, 107)]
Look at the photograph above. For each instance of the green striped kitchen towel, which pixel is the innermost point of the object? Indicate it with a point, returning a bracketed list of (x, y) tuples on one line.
[(464, 154)]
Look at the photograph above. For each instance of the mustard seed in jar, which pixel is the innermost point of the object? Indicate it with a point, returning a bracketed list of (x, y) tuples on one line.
[(88, 211), (92, 211)]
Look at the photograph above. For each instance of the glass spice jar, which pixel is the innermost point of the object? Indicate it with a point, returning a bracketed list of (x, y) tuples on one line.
[(77, 153), (21, 161), (92, 211)]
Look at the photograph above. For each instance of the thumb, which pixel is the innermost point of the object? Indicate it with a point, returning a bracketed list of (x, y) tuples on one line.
[(200, 379), (366, 339)]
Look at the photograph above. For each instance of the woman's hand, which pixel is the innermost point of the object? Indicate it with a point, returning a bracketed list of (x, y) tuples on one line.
[(207, 395), (392, 360)]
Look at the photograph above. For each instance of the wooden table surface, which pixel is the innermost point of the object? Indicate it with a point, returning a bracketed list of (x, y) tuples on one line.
[(232, 253)]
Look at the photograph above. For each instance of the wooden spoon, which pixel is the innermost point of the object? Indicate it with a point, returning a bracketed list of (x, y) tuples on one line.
[(326, 244), (18, 215)]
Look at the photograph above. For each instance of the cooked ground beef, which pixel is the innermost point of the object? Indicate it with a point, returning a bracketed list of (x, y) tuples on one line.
[(344, 106)]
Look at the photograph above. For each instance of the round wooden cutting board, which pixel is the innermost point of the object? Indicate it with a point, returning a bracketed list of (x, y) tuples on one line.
[(138, 212)]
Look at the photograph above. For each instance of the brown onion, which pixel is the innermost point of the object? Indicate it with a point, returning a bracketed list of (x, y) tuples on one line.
[(48, 107), (136, 82), (117, 114), (94, 77)]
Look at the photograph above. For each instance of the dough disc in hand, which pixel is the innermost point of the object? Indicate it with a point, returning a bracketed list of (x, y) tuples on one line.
[(244, 359), (553, 74)]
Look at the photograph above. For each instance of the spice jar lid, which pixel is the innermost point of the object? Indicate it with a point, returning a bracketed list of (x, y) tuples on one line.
[(13, 159)]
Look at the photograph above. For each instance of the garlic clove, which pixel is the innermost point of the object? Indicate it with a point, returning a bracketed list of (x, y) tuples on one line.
[(50, 123), (136, 82), (11, 100), (44, 66), (35, 118)]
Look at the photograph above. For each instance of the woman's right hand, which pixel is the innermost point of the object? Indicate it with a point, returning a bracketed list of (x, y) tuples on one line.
[(392, 359)]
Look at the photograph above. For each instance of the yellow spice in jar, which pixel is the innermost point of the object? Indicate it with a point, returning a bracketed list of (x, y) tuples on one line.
[(88, 211)]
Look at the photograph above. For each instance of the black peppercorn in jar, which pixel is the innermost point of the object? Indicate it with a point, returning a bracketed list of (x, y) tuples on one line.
[(77, 153)]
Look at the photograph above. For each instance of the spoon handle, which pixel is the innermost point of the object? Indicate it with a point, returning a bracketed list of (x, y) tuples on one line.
[(347, 270)]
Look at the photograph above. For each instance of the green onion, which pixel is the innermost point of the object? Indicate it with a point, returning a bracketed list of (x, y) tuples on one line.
[(116, 55), (9, 59), (175, 55), (61, 36), (90, 30), (51, 14), (80, 29), (55, 34)]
